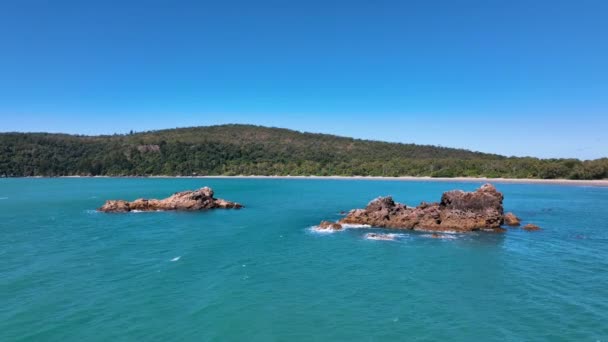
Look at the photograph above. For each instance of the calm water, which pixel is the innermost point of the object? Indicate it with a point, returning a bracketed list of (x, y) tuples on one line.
[(68, 273)]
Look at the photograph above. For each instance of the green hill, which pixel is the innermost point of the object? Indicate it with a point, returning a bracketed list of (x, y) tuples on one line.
[(256, 150)]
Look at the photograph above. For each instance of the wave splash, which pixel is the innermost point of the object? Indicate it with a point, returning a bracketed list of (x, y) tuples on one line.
[(355, 226), (318, 229), (448, 236), (383, 237)]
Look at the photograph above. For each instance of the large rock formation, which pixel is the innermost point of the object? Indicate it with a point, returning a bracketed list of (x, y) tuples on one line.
[(186, 200), (458, 211)]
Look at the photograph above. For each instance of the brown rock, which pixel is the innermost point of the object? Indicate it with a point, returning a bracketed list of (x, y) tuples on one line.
[(531, 227), (118, 206), (186, 200), (329, 225), (512, 220), (458, 211)]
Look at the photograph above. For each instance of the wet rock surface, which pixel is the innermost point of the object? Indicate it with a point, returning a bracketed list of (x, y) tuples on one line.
[(326, 225), (512, 220), (531, 227)]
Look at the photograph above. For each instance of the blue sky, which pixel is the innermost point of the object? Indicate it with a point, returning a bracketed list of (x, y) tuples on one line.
[(509, 77)]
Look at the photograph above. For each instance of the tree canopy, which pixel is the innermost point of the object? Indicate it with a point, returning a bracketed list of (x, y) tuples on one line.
[(256, 150)]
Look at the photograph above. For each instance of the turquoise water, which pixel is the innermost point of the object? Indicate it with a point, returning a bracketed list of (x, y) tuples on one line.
[(259, 274)]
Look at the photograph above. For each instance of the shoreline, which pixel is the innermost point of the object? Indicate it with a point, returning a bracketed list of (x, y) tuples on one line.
[(597, 182)]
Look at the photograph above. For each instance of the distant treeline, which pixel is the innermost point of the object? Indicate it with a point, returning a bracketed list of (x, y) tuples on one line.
[(254, 150)]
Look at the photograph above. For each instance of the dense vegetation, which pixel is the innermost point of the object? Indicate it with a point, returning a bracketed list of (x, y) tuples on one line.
[(254, 150)]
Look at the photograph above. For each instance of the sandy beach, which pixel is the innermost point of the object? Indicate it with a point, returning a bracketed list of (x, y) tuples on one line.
[(597, 182)]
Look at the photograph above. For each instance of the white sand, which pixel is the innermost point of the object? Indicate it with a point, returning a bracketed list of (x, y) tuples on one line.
[(600, 182)]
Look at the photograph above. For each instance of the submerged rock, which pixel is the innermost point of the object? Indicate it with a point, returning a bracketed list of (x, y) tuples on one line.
[(531, 227), (512, 220), (385, 237), (186, 200), (458, 211), (440, 236)]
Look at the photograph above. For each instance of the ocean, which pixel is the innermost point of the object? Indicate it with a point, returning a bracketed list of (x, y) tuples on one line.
[(69, 273)]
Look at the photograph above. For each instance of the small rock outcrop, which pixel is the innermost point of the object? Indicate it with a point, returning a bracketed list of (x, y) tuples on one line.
[(458, 211), (512, 220), (531, 227), (186, 201), (326, 225)]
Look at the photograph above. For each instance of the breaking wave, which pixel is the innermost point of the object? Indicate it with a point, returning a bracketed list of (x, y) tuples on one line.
[(448, 236), (383, 237), (350, 225), (436, 231), (319, 230)]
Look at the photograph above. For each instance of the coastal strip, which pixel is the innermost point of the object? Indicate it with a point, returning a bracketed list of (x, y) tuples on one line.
[(573, 182), (576, 182)]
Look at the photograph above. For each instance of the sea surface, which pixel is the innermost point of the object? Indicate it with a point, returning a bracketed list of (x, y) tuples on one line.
[(69, 273)]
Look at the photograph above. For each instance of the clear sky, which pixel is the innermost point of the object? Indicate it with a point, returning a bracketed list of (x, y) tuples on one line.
[(510, 77)]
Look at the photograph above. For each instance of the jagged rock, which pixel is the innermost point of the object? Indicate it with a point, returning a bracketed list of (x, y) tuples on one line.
[(118, 206), (326, 225), (186, 200), (458, 211), (512, 220), (531, 227)]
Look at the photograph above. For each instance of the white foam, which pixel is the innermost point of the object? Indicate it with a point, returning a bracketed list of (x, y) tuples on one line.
[(437, 231), (319, 230), (352, 225), (382, 237), (440, 236), (176, 258)]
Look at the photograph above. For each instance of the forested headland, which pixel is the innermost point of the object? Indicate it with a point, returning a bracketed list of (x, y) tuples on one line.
[(256, 150)]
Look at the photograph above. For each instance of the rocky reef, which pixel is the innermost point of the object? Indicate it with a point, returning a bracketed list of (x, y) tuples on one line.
[(185, 201), (457, 211)]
